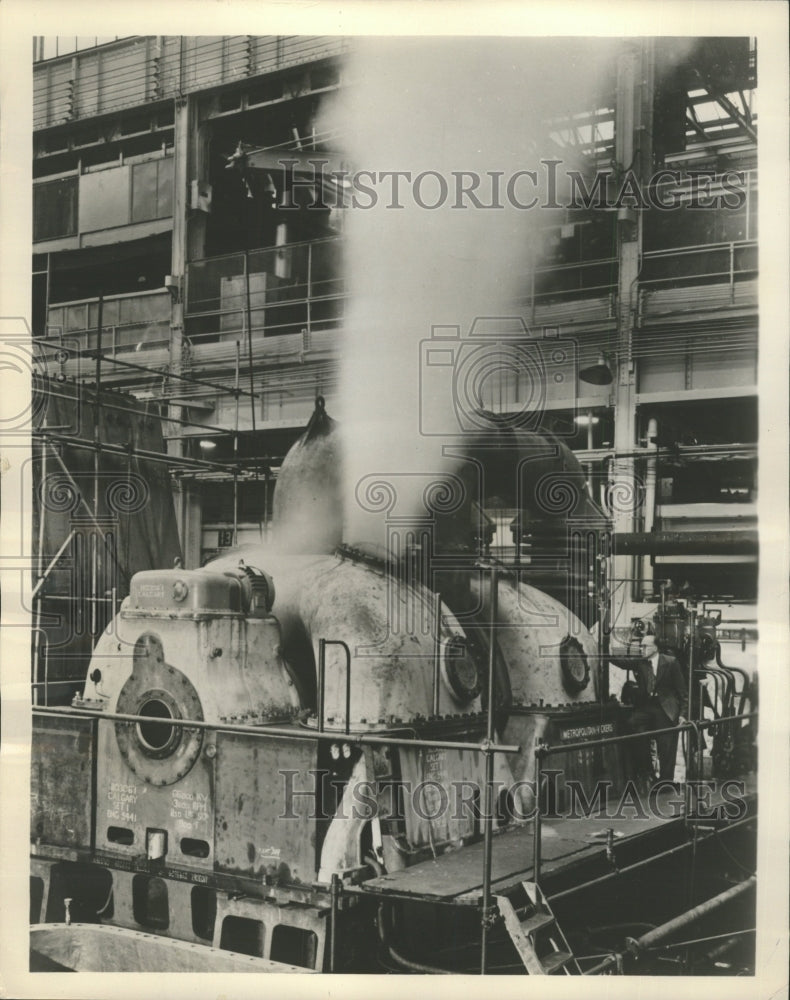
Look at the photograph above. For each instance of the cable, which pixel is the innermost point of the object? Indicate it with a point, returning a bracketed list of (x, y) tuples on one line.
[(702, 940)]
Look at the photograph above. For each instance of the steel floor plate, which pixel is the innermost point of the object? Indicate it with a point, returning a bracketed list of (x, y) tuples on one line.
[(457, 875)]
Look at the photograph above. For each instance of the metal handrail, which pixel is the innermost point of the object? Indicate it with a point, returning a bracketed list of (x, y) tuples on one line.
[(115, 296), (697, 248), (321, 693), (729, 273), (482, 746), (547, 750), (543, 750)]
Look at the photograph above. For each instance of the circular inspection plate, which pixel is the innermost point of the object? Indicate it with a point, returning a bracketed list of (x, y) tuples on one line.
[(158, 752)]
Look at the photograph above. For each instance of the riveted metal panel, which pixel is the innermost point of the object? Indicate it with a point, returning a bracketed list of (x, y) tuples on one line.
[(183, 810), (261, 828), (62, 767)]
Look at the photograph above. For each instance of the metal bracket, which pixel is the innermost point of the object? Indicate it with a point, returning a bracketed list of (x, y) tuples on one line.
[(490, 918)]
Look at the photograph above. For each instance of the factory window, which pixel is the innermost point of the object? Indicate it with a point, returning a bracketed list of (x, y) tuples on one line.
[(685, 227), (149, 902), (152, 190), (706, 481), (294, 946), (204, 911), (712, 479), (243, 935), (55, 208), (712, 581)]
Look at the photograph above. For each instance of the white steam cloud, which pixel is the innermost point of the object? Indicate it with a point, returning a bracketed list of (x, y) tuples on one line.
[(445, 106)]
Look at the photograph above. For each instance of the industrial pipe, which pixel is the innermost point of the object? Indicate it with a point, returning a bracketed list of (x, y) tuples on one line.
[(665, 543), (663, 931)]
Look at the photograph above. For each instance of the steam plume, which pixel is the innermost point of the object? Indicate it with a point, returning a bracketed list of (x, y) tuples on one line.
[(443, 105)]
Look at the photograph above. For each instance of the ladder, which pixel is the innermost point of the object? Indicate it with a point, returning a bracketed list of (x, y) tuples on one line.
[(534, 930)]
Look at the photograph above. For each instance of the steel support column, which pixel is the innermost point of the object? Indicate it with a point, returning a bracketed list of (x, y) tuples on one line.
[(633, 155), (189, 227)]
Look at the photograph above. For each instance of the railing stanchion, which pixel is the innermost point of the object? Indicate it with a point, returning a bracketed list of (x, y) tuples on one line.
[(690, 762), (488, 817), (348, 687), (437, 650), (321, 683), (700, 746), (334, 893), (540, 750), (309, 296)]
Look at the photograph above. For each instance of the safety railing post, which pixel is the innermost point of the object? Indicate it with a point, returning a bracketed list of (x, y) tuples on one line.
[(348, 688), (488, 817), (334, 899), (540, 751), (321, 683), (690, 761), (532, 296), (437, 650), (732, 272), (700, 764), (309, 285)]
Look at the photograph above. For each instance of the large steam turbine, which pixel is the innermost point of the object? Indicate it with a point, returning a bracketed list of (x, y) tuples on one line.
[(310, 633)]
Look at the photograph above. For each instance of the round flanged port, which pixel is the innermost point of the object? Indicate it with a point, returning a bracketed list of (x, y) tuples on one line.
[(156, 737), (156, 750), (460, 669), (574, 664)]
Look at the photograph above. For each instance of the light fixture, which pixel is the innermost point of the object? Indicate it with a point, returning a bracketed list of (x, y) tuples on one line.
[(584, 419), (598, 374), (208, 445)]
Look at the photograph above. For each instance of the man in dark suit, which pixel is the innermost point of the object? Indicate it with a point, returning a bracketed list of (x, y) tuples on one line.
[(661, 700)]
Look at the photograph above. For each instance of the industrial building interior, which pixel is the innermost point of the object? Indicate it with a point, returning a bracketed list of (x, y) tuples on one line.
[(136, 214), (189, 317)]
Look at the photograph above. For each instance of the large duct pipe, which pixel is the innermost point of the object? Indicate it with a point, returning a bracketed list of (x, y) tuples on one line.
[(703, 543), (663, 931)]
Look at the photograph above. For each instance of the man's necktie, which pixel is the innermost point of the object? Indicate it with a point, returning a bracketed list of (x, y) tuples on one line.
[(651, 679)]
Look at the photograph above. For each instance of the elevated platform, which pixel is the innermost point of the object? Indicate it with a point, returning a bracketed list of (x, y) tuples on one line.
[(567, 844)]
